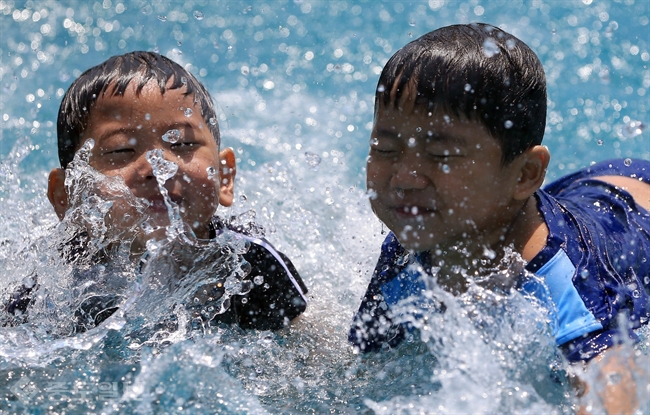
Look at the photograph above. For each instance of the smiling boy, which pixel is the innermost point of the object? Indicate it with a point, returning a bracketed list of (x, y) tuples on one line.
[(455, 169), (130, 119), (141, 112)]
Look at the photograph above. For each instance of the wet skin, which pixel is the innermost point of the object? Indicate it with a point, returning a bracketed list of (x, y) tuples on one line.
[(436, 180), (126, 128)]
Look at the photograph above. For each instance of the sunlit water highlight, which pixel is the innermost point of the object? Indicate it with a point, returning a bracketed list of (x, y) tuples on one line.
[(294, 83)]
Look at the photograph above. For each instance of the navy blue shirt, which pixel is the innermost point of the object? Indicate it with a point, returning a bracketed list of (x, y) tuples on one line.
[(594, 267)]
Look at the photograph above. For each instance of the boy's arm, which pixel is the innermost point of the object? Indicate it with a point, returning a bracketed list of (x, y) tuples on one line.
[(640, 191), (610, 375)]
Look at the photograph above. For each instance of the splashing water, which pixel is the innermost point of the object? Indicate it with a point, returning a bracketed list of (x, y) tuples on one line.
[(632, 129), (312, 159), (212, 173), (490, 47), (198, 15), (156, 354), (171, 136), (165, 170)]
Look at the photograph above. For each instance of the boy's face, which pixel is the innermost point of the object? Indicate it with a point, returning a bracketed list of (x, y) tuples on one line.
[(125, 128), (435, 180)]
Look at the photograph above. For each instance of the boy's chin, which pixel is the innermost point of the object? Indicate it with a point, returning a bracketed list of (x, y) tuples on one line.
[(413, 242)]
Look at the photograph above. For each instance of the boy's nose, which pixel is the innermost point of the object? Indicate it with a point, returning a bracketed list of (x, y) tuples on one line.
[(407, 175), (143, 167), (144, 170)]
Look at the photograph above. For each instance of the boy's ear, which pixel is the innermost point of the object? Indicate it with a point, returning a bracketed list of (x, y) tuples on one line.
[(56, 192), (532, 171), (227, 172)]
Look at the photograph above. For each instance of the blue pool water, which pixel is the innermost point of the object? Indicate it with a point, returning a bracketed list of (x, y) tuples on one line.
[(294, 84)]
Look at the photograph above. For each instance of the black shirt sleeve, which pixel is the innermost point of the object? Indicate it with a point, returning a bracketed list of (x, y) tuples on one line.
[(277, 295)]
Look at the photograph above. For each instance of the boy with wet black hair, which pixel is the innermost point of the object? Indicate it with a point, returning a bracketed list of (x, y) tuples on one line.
[(455, 169), (136, 118)]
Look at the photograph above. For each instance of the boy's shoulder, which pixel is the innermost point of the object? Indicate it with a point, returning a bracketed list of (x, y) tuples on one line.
[(582, 209), (277, 292), (595, 255)]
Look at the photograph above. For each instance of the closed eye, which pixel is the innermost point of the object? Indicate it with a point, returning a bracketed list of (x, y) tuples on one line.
[(184, 146), (118, 151), (383, 150)]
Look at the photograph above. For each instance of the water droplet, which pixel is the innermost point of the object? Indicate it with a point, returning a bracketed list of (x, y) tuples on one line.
[(188, 112), (418, 129), (489, 253), (259, 280), (147, 116), (410, 34), (244, 300), (632, 129), (627, 162), (468, 87), (445, 168), (312, 159), (412, 22), (411, 142), (198, 15), (212, 173), (243, 198), (599, 142), (212, 121), (508, 124), (490, 47), (147, 228), (162, 169), (636, 294), (400, 193), (183, 80), (381, 88), (162, 18), (172, 136), (584, 273), (510, 44), (604, 75)]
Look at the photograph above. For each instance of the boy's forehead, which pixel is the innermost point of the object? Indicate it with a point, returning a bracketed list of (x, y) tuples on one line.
[(437, 126), (148, 102), (418, 116)]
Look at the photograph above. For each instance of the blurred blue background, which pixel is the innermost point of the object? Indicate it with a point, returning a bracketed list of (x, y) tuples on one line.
[(296, 77)]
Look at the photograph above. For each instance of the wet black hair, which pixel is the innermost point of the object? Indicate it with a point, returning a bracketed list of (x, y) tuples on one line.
[(476, 72), (113, 77)]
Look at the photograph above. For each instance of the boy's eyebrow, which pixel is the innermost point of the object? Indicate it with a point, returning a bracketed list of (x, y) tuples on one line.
[(389, 133), (437, 137), (134, 130)]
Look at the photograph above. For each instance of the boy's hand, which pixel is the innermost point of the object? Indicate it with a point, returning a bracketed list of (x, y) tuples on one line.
[(611, 377)]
